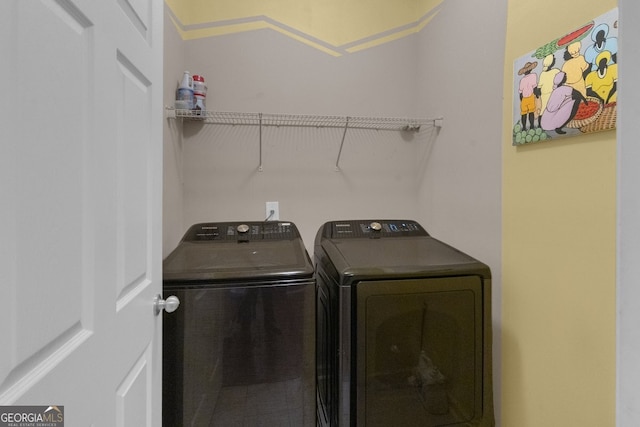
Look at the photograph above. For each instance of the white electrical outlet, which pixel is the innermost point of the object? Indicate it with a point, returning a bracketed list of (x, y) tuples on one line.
[(273, 211)]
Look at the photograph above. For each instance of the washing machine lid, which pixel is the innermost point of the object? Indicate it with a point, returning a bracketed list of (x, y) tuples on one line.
[(238, 251), (391, 248)]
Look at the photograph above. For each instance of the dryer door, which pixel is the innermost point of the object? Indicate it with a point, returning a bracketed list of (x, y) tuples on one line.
[(419, 352)]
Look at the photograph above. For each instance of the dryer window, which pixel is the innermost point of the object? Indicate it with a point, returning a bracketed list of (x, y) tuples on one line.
[(419, 352)]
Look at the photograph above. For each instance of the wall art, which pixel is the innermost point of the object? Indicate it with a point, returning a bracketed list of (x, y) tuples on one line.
[(569, 86)]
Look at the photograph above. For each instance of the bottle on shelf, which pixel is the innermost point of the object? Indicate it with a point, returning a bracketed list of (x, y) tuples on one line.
[(185, 98), (199, 93)]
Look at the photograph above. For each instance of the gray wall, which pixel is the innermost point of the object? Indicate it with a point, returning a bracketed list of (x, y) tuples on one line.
[(173, 200), (461, 78), (267, 72), (628, 271)]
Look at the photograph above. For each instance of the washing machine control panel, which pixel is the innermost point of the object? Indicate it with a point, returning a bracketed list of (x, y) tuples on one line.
[(354, 229), (242, 231)]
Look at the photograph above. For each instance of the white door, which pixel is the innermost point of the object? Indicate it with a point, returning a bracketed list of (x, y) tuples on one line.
[(80, 208)]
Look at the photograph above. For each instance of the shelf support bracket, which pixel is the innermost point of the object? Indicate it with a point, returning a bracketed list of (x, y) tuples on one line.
[(344, 134), (260, 136)]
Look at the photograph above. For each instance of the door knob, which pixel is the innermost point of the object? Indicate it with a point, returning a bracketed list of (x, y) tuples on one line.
[(169, 305)]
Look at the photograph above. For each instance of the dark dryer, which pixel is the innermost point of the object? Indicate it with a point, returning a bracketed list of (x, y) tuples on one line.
[(240, 349), (403, 330)]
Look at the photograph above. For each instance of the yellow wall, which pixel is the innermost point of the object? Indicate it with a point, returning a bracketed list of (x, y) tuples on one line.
[(333, 26), (558, 300)]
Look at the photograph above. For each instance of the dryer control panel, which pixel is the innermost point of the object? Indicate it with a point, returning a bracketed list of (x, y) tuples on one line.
[(242, 231), (354, 229)]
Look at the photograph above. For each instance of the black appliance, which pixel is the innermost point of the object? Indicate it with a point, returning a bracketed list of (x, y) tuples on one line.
[(403, 329), (240, 350)]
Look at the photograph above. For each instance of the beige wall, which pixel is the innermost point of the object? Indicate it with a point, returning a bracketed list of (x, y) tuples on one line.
[(559, 228)]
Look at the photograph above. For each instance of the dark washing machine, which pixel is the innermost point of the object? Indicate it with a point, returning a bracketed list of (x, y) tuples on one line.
[(403, 330), (240, 350)]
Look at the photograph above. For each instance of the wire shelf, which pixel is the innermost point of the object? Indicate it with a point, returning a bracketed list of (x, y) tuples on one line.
[(299, 120)]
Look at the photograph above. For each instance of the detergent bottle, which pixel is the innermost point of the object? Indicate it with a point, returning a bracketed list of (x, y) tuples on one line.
[(184, 94), (199, 93)]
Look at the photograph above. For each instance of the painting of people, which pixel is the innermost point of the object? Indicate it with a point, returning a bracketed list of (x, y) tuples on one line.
[(569, 86)]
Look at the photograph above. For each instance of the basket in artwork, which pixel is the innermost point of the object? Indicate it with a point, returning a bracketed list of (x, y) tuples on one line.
[(586, 114), (605, 121)]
